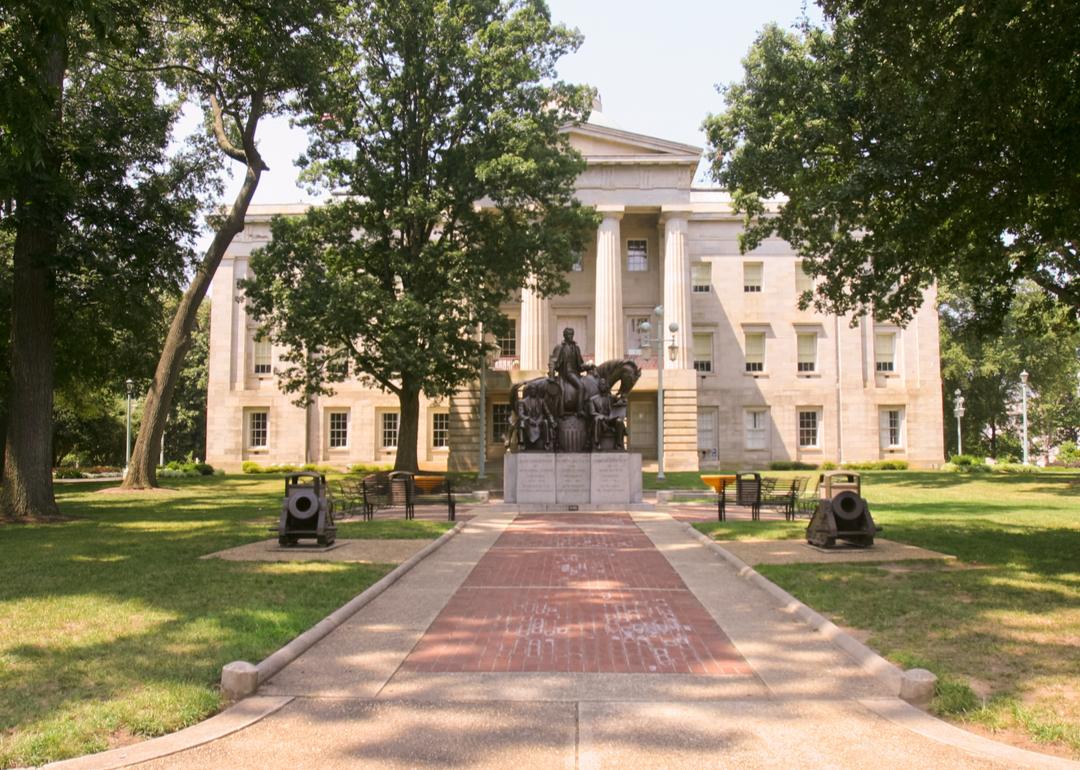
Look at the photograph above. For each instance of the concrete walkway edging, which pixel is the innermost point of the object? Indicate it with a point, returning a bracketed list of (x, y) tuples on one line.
[(890, 674), (918, 721), (233, 719), (238, 680)]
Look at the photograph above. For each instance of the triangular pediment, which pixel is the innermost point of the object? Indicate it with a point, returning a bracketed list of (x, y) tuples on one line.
[(601, 144)]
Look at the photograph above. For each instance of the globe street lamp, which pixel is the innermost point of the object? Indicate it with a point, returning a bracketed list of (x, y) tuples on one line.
[(673, 351), (958, 409), (1023, 395), (127, 445)]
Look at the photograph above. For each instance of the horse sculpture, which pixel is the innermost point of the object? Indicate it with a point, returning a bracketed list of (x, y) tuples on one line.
[(560, 398)]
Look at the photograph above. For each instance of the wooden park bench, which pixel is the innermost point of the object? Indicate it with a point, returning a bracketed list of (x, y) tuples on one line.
[(783, 496), (401, 489)]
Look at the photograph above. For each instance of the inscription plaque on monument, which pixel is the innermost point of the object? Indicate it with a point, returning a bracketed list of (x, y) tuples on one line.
[(613, 478), (535, 477), (573, 473)]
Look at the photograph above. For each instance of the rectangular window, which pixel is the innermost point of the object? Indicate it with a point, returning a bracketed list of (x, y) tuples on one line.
[(885, 351), (579, 263), (637, 255), (703, 352), (635, 337), (440, 430), (752, 272), (258, 429), (891, 421), (803, 280), (755, 424), (809, 420), (508, 342), (390, 423), (701, 277), (807, 352), (500, 421), (706, 432), (755, 351), (262, 352), (339, 430)]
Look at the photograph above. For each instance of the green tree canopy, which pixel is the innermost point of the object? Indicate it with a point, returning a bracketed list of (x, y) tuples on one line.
[(908, 143), (1036, 335), (441, 128)]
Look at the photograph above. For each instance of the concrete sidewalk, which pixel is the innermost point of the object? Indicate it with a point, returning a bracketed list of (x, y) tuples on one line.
[(456, 667)]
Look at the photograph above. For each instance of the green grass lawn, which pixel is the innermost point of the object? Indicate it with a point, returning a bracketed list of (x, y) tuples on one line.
[(112, 627), (1001, 627)]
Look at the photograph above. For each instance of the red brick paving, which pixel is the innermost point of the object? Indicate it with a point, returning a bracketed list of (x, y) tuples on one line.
[(608, 603)]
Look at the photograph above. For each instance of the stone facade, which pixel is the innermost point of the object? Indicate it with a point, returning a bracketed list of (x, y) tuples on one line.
[(752, 379)]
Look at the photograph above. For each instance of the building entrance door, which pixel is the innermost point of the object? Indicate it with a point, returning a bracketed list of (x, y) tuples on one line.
[(641, 424)]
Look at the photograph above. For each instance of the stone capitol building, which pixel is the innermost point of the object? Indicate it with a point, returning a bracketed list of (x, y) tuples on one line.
[(748, 378)]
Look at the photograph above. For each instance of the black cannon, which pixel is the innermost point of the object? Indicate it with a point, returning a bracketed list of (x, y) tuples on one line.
[(307, 510), (842, 512)]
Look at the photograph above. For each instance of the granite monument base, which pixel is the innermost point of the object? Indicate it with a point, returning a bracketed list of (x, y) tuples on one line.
[(572, 478)]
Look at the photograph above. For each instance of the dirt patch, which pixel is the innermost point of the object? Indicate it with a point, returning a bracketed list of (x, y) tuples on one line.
[(799, 552), (145, 491), (365, 551)]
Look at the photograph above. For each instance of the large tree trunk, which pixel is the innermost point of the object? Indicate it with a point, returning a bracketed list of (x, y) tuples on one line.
[(27, 479), (408, 429), (142, 471)]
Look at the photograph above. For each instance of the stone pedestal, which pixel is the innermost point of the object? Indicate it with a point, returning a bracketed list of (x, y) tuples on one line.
[(572, 478)]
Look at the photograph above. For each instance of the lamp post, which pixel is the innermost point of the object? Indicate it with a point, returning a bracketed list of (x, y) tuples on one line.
[(1023, 401), (958, 408), (673, 350), (127, 444)]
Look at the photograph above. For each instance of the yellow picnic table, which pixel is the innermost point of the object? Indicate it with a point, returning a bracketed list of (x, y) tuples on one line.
[(719, 482)]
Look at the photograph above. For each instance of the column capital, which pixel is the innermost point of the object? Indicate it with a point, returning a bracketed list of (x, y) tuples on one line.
[(674, 213), (611, 212)]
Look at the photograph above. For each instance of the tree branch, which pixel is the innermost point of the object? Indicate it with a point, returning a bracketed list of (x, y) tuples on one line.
[(226, 146)]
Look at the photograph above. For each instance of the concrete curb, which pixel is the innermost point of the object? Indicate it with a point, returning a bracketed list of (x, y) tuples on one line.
[(890, 674), (235, 718), (301, 644), (272, 664), (917, 721)]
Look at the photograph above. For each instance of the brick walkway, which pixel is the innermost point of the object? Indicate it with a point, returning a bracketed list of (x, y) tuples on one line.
[(571, 593)]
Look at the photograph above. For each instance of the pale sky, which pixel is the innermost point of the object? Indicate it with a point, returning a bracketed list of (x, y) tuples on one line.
[(655, 64)]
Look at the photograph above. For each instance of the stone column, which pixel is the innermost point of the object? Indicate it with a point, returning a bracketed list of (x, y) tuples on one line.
[(677, 296), (608, 334), (535, 345)]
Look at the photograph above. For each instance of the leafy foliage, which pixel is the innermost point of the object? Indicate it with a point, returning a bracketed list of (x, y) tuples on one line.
[(906, 145), (433, 109)]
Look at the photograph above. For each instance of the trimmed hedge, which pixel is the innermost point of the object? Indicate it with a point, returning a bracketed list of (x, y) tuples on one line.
[(253, 467)]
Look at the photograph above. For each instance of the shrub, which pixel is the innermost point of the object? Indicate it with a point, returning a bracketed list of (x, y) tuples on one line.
[(965, 461), (878, 465), (68, 473), (1068, 454), (253, 467), (828, 466), (204, 469), (791, 465), (1014, 468), (369, 468), (318, 468)]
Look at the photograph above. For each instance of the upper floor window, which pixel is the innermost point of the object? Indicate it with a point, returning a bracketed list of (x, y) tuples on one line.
[(339, 430), (885, 352), (752, 276), (508, 342), (804, 282), (261, 355), (807, 342), (637, 255), (701, 277), (579, 263), (755, 351), (703, 352)]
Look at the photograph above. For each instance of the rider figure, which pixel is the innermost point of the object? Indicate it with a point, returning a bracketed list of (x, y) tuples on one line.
[(567, 361)]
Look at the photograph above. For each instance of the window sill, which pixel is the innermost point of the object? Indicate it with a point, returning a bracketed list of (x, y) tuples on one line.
[(756, 375), (809, 449), (808, 375)]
